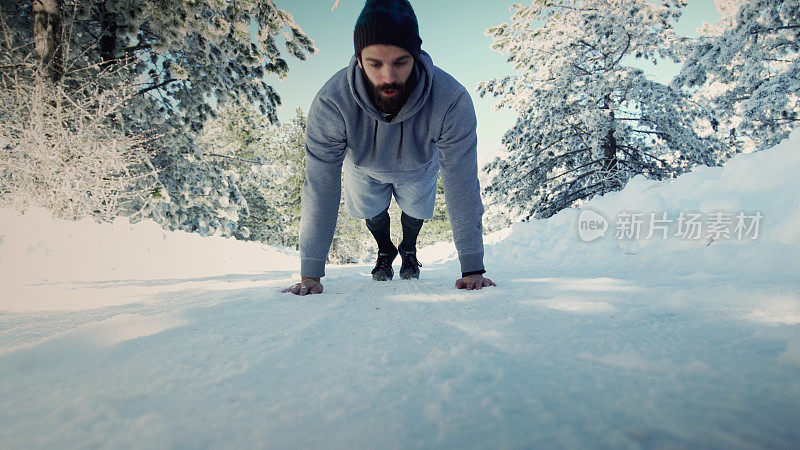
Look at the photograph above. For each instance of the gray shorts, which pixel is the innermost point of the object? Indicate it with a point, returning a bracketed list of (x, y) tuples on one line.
[(367, 193)]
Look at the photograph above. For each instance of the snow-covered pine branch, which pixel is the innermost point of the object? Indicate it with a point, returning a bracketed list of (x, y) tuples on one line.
[(63, 147), (588, 121), (190, 58), (747, 68), (268, 163)]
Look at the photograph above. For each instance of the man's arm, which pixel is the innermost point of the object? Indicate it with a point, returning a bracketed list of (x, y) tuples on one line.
[(325, 149), (458, 158)]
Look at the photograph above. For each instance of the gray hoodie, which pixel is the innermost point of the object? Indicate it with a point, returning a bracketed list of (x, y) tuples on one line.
[(437, 121)]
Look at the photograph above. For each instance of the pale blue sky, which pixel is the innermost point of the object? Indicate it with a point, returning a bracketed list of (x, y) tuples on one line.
[(452, 32)]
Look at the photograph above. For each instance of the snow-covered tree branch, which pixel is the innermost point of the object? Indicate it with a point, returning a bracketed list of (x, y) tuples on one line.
[(189, 58), (748, 69), (62, 145), (588, 121)]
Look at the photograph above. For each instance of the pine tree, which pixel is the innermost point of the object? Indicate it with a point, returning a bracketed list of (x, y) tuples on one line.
[(190, 57), (61, 146), (267, 162), (281, 207), (587, 120), (438, 228), (748, 68)]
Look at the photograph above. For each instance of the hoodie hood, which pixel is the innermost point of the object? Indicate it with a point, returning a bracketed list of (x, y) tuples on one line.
[(423, 69)]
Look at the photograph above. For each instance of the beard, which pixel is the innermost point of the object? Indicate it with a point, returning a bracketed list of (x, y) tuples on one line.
[(389, 105)]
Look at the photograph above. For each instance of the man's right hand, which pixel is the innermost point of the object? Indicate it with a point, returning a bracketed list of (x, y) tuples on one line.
[(307, 285)]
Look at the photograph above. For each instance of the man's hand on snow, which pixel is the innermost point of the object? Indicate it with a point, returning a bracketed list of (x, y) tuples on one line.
[(307, 285), (471, 282)]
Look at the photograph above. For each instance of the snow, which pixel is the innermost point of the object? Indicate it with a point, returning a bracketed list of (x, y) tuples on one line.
[(125, 335), (50, 264)]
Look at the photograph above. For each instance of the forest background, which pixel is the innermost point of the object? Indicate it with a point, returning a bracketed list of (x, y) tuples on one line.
[(170, 110)]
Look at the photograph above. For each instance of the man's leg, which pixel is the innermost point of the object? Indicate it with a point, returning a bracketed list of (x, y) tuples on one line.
[(416, 198), (411, 227), (379, 227), (408, 246), (387, 252)]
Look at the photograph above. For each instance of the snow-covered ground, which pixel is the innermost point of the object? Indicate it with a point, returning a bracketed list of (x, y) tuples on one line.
[(127, 336)]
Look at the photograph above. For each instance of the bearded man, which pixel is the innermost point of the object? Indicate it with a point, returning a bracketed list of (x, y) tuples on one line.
[(389, 122)]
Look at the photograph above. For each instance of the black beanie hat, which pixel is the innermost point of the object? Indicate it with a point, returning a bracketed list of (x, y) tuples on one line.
[(389, 22)]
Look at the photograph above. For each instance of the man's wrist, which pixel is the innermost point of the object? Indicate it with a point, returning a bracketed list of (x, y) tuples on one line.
[(471, 262), (312, 266), (303, 278), (474, 272)]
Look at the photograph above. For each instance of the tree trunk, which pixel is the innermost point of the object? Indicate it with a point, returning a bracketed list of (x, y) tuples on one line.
[(108, 38), (47, 37), (610, 161)]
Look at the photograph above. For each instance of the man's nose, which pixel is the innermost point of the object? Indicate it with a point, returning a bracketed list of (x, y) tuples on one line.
[(388, 76)]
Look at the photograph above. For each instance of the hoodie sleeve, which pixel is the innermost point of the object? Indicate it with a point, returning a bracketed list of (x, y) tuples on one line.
[(458, 158), (325, 148)]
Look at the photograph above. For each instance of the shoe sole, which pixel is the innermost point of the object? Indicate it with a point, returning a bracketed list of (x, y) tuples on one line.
[(381, 278)]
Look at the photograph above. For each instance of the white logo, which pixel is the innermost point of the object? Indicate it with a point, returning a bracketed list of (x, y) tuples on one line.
[(591, 225)]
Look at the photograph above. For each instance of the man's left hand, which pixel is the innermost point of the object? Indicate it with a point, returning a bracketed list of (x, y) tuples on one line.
[(471, 282)]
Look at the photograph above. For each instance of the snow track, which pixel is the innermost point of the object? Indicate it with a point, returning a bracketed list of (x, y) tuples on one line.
[(611, 344), (545, 361)]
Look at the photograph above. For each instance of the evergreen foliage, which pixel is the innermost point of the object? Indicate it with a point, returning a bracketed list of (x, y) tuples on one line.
[(748, 69), (267, 161), (189, 58), (62, 146), (587, 120)]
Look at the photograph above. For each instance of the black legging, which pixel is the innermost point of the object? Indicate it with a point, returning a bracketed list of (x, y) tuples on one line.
[(379, 227)]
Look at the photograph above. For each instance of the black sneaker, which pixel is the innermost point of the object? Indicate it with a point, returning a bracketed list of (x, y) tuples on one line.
[(410, 267), (383, 266)]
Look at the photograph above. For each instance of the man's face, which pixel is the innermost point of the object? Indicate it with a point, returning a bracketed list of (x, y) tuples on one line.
[(388, 69)]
